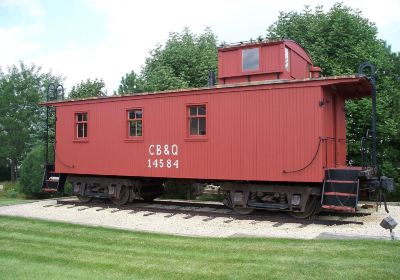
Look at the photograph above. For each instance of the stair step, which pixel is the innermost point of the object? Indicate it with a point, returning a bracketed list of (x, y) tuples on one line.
[(337, 200), (341, 174), (339, 208), (49, 190), (340, 194), (342, 187), (53, 179)]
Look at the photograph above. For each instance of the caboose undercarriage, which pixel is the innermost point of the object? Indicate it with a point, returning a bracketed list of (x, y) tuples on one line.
[(338, 192), (302, 200)]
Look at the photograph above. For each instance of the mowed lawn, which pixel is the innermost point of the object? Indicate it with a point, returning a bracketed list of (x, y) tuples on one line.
[(33, 249), (10, 201)]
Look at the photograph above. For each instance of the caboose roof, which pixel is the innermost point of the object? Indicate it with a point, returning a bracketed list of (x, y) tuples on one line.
[(351, 87)]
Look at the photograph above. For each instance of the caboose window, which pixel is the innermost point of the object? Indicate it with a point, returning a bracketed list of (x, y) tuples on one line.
[(197, 120), (287, 59), (135, 123), (81, 125), (250, 59)]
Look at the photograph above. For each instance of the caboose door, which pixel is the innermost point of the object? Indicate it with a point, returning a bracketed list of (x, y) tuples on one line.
[(334, 130)]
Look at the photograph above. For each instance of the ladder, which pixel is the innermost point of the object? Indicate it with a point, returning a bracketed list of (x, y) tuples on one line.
[(53, 182), (340, 189)]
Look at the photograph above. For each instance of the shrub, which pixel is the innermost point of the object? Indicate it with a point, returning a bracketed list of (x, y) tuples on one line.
[(11, 190), (32, 171)]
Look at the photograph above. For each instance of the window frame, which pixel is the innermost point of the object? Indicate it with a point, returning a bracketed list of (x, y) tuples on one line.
[(128, 137), (259, 59), (188, 117), (287, 57), (76, 125)]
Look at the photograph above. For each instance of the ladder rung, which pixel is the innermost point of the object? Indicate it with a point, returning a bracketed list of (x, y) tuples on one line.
[(341, 182), (49, 190), (340, 194), (339, 208), (53, 179)]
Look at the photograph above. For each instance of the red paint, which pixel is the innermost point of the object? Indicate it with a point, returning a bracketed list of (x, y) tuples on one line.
[(340, 194), (341, 181), (339, 208), (254, 132), (271, 62)]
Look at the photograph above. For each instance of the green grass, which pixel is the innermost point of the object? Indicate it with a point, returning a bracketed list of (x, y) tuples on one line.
[(33, 249), (10, 201)]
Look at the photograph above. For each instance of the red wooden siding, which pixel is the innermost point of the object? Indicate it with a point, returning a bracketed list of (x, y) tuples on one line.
[(254, 132), (272, 62)]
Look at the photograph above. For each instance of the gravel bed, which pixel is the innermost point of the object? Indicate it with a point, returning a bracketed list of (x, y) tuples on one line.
[(199, 225)]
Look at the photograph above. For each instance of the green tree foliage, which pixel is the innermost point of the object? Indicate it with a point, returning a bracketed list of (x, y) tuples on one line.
[(130, 83), (88, 88), (32, 171), (338, 41), (183, 62), (21, 118)]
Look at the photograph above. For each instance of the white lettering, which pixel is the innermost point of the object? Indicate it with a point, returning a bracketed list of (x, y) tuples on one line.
[(166, 150), (151, 150), (157, 153), (158, 150), (174, 150)]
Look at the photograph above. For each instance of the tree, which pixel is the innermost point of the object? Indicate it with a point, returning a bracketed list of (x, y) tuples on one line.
[(21, 118), (183, 62), (338, 41), (89, 88), (130, 83)]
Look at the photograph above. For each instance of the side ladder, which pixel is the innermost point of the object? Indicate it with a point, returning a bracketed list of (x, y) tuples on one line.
[(340, 190), (53, 182)]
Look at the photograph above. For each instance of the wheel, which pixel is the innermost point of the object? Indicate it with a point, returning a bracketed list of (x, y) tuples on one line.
[(243, 211), (311, 209), (227, 200), (149, 198), (123, 196), (84, 199)]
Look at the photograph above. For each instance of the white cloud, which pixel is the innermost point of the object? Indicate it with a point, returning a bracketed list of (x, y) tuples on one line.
[(15, 46), (32, 8), (132, 28)]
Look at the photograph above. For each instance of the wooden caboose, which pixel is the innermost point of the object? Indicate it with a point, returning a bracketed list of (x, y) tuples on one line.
[(272, 134)]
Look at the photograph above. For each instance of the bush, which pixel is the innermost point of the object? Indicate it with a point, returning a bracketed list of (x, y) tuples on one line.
[(31, 176), (32, 171), (11, 190)]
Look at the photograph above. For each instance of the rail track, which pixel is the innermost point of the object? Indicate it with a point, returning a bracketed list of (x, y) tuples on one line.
[(209, 211)]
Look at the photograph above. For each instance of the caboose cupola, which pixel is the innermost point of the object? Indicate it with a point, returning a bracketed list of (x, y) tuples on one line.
[(267, 60)]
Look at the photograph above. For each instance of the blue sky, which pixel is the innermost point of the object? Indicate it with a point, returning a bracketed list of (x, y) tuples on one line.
[(108, 38)]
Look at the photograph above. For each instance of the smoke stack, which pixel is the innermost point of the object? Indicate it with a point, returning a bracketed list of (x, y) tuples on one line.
[(315, 72), (211, 78)]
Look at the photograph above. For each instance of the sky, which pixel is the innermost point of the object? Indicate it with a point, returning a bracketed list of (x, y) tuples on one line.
[(104, 39)]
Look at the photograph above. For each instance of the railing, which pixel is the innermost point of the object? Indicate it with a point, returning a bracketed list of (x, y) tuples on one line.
[(365, 149)]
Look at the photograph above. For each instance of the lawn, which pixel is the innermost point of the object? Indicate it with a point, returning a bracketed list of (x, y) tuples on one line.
[(10, 201), (33, 249)]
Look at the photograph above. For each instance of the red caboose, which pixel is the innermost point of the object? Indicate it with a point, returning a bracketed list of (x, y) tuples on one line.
[(272, 134)]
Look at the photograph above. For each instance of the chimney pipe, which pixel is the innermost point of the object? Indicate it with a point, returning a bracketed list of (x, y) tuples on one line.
[(211, 78), (315, 72)]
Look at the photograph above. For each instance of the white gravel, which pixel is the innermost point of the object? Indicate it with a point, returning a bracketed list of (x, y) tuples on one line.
[(195, 226)]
